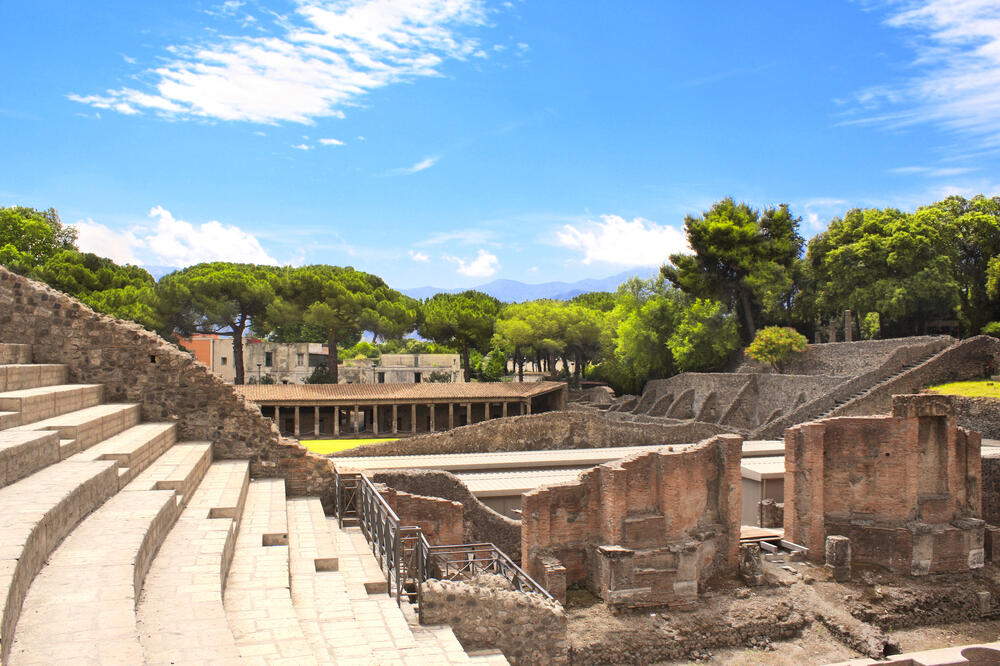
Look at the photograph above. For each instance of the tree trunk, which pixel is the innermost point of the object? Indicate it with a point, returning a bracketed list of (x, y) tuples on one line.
[(332, 361), (238, 351), (576, 370), (747, 313), (465, 363), (519, 359)]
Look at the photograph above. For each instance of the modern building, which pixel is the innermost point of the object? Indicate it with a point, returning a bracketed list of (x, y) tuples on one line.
[(335, 410)]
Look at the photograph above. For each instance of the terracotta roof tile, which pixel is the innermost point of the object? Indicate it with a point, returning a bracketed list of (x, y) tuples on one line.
[(347, 393)]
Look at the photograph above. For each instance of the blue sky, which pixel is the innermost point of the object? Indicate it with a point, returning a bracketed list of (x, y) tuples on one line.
[(452, 142)]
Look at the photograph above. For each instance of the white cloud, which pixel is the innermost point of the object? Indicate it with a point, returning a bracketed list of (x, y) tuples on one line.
[(958, 65), (615, 240), (931, 172), (331, 142), (419, 256), (463, 236), (309, 64), (425, 163), (484, 265), (302, 146), (172, 242)]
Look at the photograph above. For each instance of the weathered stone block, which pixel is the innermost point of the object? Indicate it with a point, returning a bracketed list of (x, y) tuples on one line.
[(838, 557), (751, 564)]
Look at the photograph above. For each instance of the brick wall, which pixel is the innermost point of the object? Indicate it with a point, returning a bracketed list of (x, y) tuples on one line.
[(527, 628), (904, 488), (137, 366), (646, 530), (440, 520)]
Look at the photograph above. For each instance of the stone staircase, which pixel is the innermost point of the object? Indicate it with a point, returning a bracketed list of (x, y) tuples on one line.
[(121, 545)]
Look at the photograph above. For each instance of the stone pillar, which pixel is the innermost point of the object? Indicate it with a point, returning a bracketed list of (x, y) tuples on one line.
[(751, 564), (504, 408), (395, 422), (316, 421), (832, 327), (528, 404), (838, 557), (431, 408), (848, 326), (413, 419), (451, 415), (277, 417), (374, 419), (297, 432), (817, 334), (336, 421), (468, 413), (354, 419)]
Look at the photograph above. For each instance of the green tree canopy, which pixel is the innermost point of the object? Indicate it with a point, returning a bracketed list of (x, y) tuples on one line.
[(29, 237), (745, 258), (218, 297), (775, 345), (705, 336), (464, 320)]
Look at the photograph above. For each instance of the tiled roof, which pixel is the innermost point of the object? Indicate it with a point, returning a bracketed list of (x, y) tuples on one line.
[(367, 393)]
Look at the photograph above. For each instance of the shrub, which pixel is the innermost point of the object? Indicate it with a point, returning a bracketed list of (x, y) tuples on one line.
[(871, 326), (776, 344)]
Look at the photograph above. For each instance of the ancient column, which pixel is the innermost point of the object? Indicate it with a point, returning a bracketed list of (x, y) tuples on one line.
[(528, 403), (277, 417), (374, 419), (413, 419), (504, 408), (451, 415), (431, 408), (316, 421), (297, 421), (848, 326), (355, 418), (468, 413), (395, 423), (832, 327), (336, 421)]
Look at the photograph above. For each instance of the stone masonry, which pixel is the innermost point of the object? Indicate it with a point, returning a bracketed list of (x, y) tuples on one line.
[(905, 488), (647, 530), (137, 366)]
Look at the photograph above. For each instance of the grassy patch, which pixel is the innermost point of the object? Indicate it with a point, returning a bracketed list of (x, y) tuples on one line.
[(326, 446), (982, 388)]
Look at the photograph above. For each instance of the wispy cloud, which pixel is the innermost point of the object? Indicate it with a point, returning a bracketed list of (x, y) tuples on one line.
[(615, 240), (171, 242), (931, 172), (331, 142), (302, 146), (484, 265), (462, 236), (419, 256), (309, 64), (425, 163), (957, 85)]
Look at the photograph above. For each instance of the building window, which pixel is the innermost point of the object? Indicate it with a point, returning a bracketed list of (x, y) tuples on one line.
[(268, 359), (416, 360), (381, 378), (300, 358), (416, 377), (223, 360)]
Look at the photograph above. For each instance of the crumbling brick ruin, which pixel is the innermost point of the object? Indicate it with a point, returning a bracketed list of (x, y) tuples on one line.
[(646, 530), (905, 488)]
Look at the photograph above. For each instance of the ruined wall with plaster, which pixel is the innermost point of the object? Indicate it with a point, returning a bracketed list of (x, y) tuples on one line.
[(647, 530), (138, 366), (905, 488)]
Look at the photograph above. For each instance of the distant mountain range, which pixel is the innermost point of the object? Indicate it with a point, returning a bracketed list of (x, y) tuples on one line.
[(513, 291)]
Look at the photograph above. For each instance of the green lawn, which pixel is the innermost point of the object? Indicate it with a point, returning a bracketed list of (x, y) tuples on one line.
[(982, 388), (325, 446)]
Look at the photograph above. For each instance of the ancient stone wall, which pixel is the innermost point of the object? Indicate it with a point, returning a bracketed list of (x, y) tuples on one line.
[(991, 488), (137, 366), (849, 359), (573, 429), (905, 489), (440, 520), (480, 523), (982, 414), (527, 628), (646, 530)]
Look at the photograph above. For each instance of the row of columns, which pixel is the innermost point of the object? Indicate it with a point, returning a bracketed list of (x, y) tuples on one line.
[(525, 408)]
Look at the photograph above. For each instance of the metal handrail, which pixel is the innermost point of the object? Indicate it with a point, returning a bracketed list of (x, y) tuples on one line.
[(403, 552)]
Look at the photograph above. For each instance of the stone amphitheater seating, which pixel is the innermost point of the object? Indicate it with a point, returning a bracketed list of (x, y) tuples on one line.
[(121, 545)]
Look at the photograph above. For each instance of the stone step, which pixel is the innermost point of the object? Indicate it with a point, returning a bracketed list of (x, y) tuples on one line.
[(181, 616), (11, 353), (320, 600), (32, 375), (24, 453), (258, 602), (180, 469), (9, 420), (374, 579), (133, 449), (81, 606), (38, 404), (89, 426), (36, 513)]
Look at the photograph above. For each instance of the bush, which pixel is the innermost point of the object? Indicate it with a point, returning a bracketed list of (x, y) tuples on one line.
[(776, 344), (871, 326), (992, 328), (493, 365)]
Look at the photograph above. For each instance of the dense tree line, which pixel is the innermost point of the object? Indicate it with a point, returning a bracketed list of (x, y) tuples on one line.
[(749, 269)]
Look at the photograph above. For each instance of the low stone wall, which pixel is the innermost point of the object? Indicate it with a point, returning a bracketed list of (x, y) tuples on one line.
[(440, 520), (480, 523), (527, 628), (982, 414), (138, 366), (573, 429)]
